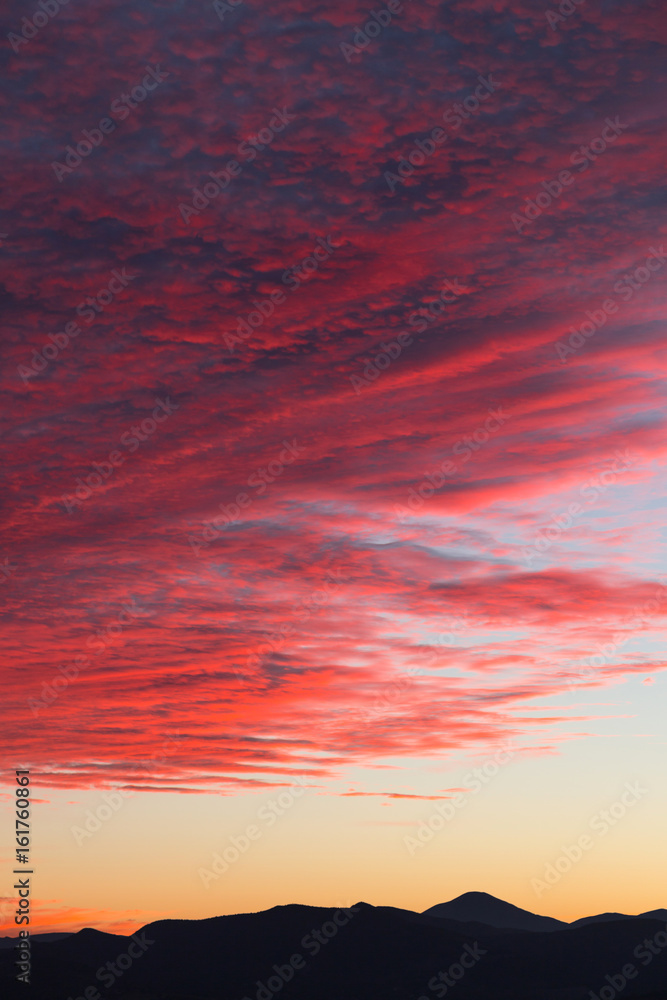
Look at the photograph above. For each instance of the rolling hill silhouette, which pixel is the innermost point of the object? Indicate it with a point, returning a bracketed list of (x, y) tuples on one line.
[(363, 952), (600, 917)]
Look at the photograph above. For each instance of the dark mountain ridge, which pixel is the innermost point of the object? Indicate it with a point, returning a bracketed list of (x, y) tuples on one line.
[(363, 952)]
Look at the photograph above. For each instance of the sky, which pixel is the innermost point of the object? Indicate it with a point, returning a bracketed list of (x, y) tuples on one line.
[(332, 563)]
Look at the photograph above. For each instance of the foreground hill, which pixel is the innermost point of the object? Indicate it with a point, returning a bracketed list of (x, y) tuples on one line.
[(363, 953)]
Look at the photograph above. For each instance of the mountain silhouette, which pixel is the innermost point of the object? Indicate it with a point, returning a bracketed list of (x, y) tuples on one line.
[(605, 917), (481, 908), (9, 942), (362, 952)]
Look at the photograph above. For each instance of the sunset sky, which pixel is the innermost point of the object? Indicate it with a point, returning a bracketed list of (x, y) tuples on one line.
[(338, 477)]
